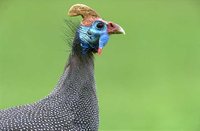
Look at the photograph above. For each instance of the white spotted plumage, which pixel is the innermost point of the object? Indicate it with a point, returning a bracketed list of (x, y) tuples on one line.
[(72, 106)]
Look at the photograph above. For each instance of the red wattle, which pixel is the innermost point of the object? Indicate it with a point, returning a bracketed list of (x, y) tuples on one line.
[(99, 51)]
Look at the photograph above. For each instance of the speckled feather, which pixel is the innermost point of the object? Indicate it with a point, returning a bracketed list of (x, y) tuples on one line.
[(72, 106)]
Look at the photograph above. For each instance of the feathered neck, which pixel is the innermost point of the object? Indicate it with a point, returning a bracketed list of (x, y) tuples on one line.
[(79, 66), (77, 59)]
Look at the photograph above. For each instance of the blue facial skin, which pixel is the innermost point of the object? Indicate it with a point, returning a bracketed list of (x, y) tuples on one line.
[(94, 36)]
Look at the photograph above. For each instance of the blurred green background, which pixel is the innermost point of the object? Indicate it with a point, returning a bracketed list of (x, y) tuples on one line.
[(147, 80)]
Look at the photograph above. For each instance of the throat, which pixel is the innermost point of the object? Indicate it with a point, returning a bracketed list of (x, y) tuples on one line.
[(79, 60), (79, 70)]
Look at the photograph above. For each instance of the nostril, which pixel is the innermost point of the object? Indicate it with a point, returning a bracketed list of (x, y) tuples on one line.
[(111, 25)]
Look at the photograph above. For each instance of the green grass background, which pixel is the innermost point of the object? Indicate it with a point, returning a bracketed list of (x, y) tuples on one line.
[(147, 80)]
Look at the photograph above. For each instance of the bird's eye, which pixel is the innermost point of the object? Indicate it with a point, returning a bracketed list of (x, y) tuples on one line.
[(100, 25)]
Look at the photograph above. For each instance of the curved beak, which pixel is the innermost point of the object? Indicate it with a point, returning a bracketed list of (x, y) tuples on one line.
[(115, 29)]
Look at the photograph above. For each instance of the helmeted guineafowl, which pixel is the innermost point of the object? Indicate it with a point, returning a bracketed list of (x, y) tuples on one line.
[(72, 106)]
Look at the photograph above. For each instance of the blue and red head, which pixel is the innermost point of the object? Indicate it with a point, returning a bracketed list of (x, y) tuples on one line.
[(93, 32)]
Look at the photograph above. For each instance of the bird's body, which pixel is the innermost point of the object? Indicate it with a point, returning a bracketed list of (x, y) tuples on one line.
[(73, 105)]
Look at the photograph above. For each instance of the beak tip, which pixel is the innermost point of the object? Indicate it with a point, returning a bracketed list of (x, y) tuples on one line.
[(122, 31)]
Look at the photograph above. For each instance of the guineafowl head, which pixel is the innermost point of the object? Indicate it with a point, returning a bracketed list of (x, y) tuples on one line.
[(93, 31)]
